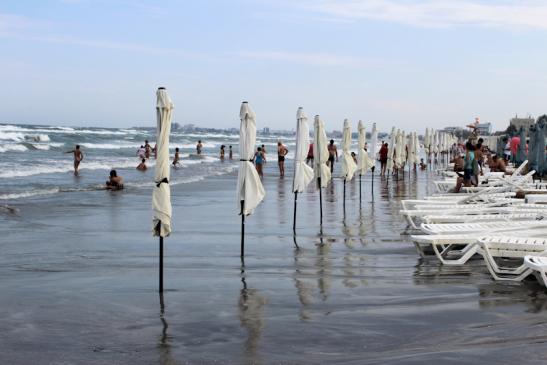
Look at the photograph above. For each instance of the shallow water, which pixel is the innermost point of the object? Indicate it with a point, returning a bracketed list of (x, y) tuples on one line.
[(78, 277)]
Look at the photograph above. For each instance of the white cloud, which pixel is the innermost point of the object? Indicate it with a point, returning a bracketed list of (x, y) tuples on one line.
[(437, 13)]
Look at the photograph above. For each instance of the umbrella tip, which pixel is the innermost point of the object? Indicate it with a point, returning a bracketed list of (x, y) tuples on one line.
[(161, 88), (244, 102)]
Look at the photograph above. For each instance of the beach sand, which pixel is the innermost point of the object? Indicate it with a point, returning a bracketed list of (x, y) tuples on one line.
[(79, 280)]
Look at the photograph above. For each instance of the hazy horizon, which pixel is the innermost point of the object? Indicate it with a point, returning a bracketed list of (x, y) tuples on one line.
[(410, 64)]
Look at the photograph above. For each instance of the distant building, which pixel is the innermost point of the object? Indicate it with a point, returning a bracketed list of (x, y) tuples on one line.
[(484, 129), (452, 129), (266, 130), (521, 122), (189, 127)]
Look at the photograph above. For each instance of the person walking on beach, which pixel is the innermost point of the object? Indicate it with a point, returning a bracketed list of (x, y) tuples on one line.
[(281, 153), (78, 157), (114, 182), (147, 149), (199, 146), (222, 152), (230, 153), (176, 158), (142, 165), (383, 158), (309, 158), (259, 161), (333, 152)]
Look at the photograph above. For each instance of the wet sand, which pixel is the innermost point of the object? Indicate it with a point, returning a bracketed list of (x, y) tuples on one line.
[(78, 277)]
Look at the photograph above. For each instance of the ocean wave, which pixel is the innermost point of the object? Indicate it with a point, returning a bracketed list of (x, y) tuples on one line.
[(7, 128), (109, 146), (12, 147)]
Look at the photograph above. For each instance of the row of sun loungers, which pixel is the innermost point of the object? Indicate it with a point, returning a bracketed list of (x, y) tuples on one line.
[(491, 223)]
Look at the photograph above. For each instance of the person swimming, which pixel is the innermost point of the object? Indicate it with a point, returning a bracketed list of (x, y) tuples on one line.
[(199, 146), (114, 181), (142, 165)]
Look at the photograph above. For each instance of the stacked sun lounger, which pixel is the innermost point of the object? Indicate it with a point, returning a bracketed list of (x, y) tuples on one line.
[(508, 233)]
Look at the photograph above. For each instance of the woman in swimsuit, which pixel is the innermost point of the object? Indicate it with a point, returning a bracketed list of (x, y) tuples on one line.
[(259, 161)]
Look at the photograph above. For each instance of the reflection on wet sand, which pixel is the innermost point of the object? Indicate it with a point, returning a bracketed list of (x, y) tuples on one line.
[(304, 288), (164, 344), (250, 308)]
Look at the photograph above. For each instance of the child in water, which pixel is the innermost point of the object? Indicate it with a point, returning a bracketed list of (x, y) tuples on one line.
[(259, 161)]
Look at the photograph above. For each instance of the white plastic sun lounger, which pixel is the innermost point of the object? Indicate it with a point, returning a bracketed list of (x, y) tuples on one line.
[(449, 228), (470, 218), (510, 247), (415, 217), (538, 265)]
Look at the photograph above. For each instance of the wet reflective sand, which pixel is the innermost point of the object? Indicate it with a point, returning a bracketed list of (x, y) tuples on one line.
[(79, 284)]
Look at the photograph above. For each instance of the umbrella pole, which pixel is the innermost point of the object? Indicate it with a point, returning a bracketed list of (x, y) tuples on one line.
[(242, 229), (320, 202), (359, 189), (161, 264), (344, 195), (294, 216)]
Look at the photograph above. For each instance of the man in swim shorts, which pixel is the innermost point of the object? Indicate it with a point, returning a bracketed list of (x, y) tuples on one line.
[(333, 152), (78, 157), (281, 153)]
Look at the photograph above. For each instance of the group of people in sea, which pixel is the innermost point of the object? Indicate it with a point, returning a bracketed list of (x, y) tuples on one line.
[(114, 181)]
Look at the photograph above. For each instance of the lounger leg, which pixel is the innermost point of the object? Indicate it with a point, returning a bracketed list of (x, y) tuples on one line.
[(471, 250)]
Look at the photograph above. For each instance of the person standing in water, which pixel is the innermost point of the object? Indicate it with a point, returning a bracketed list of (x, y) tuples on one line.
[(78, 157), (176, 158), (230, 153), (199, 146), (333, 152), (309, 158), (222, 152), (259, 161), (281, 153), (147, 149)]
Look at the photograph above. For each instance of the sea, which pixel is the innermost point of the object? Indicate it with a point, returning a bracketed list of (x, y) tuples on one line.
[(33, 162)]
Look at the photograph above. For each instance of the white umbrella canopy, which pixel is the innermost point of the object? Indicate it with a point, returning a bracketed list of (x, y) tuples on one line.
[(161, 195), (303, 174), (249, 187), (410, 148), (348, 165), (320, 153), (399, 149), (435, 148), (364, 162), (426, 141), (373, 143)]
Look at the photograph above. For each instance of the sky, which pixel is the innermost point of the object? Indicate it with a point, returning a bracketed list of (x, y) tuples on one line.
[(405, 63)]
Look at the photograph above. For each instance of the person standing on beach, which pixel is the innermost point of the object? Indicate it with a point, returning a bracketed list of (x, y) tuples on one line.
[(333, 152), (147, 149), (176, 158), (383, 158), (222, 152), (309, 158), (259, 161), (142, 165), (281, 153), (230, 153), (199, 146), (78, 157)]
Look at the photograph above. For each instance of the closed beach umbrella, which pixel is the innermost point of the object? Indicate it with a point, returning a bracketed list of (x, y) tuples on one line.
[(521, 151), (161, 194), (416, 149), (391, 150), (540, 140), (303, 174), (364, 162), (426, 141), (250, 191), (348, 165), (533, 148), (372, 150), (321, 155), (373, 144)]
